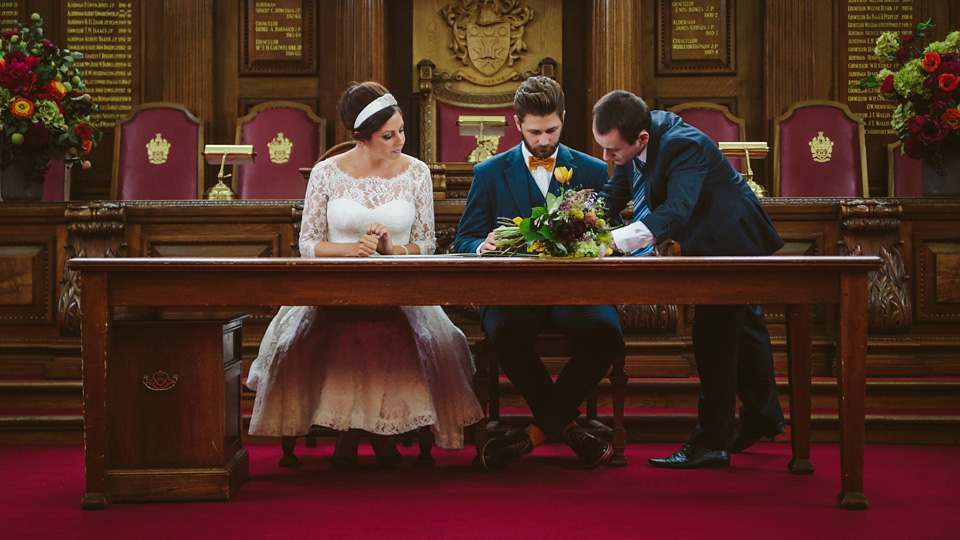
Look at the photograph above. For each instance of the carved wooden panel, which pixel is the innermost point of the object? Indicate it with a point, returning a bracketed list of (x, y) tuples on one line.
[(26, 284), (938, 282), (194, 245)]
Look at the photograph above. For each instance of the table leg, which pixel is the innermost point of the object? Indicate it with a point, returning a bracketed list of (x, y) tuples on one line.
[(799, 360), (95, 339), (852, 387), (618, 390)]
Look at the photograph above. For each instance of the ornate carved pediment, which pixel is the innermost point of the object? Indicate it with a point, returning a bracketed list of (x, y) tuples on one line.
[(487, 38)]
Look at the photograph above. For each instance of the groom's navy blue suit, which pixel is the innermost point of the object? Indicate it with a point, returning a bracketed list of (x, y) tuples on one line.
[(503, 187), (697, 199)]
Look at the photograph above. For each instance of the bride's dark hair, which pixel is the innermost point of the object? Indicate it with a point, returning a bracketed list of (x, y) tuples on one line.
[(358, 96)]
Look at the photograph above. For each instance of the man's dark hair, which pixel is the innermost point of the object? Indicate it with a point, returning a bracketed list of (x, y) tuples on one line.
[(622, 110), (539, 96)]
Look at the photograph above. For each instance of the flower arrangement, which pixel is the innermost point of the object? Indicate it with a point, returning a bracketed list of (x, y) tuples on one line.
[(43, 114), (570, 225), (923, 86)]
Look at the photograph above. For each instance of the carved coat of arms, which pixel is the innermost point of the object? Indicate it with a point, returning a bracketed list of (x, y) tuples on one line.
[(821, 148), (487, 38)]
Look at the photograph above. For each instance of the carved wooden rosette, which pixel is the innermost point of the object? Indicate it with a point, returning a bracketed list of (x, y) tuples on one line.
[(93, 230), (869, 227)]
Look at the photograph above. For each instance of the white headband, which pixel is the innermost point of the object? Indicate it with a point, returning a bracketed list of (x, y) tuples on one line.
[(372, 108)]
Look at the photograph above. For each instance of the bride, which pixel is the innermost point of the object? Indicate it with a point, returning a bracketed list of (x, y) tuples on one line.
[(382, 371)]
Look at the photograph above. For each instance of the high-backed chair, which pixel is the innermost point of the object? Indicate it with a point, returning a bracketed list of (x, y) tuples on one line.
[(56, 186), (903, 173), (157, 154), (819, 151), (441, 107), (286, 136), (715, 121)]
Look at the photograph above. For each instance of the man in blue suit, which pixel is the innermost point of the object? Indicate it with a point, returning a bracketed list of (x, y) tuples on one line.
[(509, 185), (684, 189)]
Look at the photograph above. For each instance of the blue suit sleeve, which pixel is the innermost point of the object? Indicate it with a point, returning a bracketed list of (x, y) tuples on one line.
[(685, 169), (479, 215), (616, 192)]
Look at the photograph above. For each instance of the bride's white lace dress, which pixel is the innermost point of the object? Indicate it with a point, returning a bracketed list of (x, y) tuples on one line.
[(383, 370)]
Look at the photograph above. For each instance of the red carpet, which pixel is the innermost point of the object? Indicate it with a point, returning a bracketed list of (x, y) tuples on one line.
[(912, 493)]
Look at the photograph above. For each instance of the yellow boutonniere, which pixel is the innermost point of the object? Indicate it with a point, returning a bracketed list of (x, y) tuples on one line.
[(563, 174)]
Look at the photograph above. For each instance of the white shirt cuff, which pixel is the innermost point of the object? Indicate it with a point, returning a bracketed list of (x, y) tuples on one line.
[(632, 237)]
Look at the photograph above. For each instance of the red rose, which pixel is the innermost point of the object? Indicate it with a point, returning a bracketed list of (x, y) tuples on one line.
[(82, 131), (887, 86), (907, 39), (903, 55), (931, 61), (17, 77), (949, 81), (914, 124)]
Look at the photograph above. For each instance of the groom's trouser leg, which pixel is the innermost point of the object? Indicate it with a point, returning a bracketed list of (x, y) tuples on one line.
[(512, 331), (716, 343), (595, 338)]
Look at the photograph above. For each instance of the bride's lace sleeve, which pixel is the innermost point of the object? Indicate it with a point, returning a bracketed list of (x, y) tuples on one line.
[(423, 233), (313, 225)]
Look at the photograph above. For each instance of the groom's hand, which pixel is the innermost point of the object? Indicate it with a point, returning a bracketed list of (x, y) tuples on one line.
[(488, 243)]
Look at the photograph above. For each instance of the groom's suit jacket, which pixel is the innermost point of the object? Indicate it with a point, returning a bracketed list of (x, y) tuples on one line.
[(503, 187), (695, 197)]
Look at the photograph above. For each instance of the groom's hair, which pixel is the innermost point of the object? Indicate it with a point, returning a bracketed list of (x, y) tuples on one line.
[(624, 111), (539, 96)]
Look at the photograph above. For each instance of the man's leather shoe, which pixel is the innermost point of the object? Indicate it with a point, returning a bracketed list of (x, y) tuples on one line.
[(693, 457), (591, 451), (497, 453), (750, 434)]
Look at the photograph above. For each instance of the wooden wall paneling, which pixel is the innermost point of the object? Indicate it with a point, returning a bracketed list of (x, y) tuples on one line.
[(578, 60), (361, 46), (226, 42), (617, 43), (188, 57), (399, 68)]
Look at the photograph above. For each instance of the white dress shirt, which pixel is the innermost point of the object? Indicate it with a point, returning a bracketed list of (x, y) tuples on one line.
[(540, 175)]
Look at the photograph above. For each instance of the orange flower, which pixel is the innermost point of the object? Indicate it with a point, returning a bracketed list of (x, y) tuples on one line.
[(3, 63), (931, 61), (87, 146), (21, 108), (563, 174), (948, 81), (58, 89), (952, 118)]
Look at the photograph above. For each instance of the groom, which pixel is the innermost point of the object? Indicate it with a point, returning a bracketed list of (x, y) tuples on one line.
[(509, 185)]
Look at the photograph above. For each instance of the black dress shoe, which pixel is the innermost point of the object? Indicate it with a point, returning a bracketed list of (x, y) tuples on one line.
[(693, 457), (591, 451), (750, 434), (497, 453)]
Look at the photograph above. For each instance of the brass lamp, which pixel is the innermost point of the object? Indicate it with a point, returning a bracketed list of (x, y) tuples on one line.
[(487, 130), (745, 150), (234, 154)]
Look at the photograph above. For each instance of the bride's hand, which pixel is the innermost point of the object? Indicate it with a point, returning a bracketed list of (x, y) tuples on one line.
[(385, 245), (367, 245)]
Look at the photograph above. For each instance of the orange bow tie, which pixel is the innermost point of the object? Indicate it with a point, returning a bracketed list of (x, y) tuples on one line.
[(546, 163)]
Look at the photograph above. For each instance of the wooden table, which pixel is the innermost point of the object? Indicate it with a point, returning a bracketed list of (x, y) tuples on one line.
[(797, 282)]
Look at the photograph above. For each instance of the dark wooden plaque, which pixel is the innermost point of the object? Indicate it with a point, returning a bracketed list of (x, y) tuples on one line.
[(278, 37), (695, 37), (860, 24), (11, 11), (108, 35)]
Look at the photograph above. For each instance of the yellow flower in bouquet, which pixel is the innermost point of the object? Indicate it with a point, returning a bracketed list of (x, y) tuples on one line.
[(569, 225)]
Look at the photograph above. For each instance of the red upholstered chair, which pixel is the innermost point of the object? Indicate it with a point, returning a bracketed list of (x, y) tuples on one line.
[(819, 151), (441, 106), (286, 136), (157, 154), (56, 187), (715, 121), (903, 173)]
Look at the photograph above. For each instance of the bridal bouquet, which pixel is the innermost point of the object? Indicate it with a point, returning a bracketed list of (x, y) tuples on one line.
[(570, 225)]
